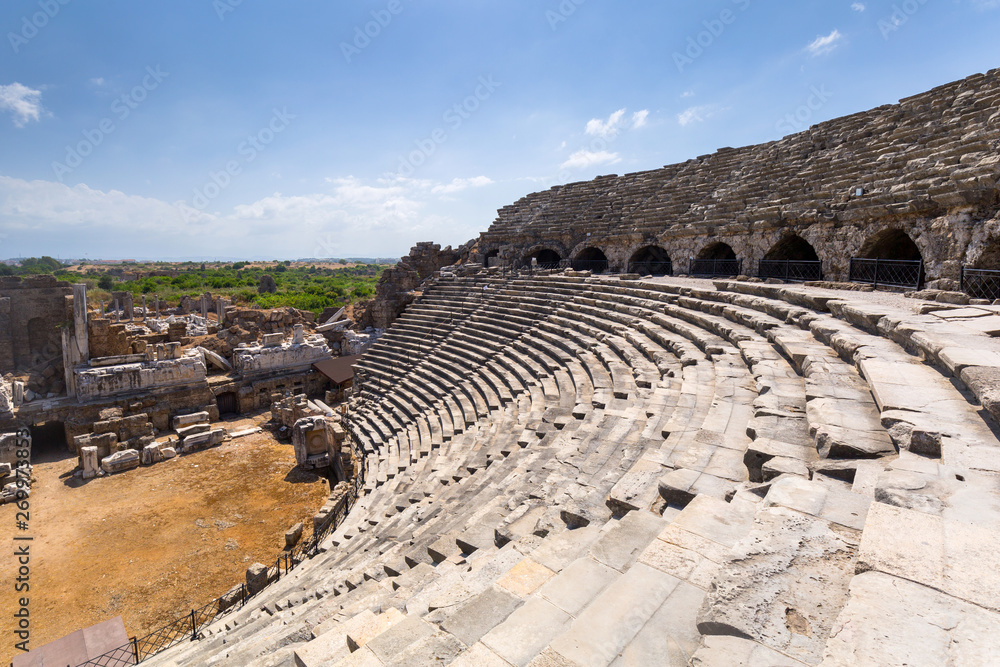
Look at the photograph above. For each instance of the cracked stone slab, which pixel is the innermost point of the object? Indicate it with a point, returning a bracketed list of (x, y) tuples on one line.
[(893, 622)]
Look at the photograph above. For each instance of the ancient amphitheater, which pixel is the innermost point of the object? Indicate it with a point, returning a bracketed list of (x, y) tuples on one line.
[(565, 468)]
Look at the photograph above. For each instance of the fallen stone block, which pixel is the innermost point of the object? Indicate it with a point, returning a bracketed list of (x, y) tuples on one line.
[(194, 443), (126, 459), (188, 420), (151, 454)]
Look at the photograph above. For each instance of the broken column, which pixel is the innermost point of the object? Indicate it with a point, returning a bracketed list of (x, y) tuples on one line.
[(298, 335), (91, 462)]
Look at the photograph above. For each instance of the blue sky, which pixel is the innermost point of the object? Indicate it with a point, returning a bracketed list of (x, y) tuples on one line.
[(250, 129)]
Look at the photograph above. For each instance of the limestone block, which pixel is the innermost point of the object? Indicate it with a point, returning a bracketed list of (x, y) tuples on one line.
[(140, 377), (955, 557), (280, 357), (257, 578), (783, 584), (188, 420), (293, 535), (151, 454), (168, 452), (120, 461), (879, 626), (200, 441), (91, 462), (194, 429)]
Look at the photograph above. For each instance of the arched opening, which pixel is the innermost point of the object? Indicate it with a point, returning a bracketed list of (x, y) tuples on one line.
[(792, 248), (891, 259), (716, 260), (544, 258), (894, 244), (591, 259), (651, 261), (48, 442), (717, 250), (793, 259)]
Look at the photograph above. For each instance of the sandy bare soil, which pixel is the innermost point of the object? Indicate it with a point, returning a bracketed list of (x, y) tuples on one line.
[(149, 543)]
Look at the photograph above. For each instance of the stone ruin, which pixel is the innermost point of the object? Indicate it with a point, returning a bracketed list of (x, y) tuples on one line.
[(570, 469), (914, 180)]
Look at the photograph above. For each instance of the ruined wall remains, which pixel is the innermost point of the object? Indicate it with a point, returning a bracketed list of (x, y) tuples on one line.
[(277, 356), (130, 378), (927, 166), (32, 312), (397, 287)]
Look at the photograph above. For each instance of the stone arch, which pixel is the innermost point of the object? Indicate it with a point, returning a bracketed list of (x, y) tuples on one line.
[(717, 250), (651, 260), (792, 248), (591, 259), (544, 255), (891, 243)]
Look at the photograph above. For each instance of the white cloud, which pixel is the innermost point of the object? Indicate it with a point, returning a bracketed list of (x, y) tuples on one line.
[(985, 4), (687, 94), (459, 184), (25, 103), (584, 158), (351, 216), (698, 114), (639, 119), (608, 128), (98, 81), (824, 45), (858, 7)]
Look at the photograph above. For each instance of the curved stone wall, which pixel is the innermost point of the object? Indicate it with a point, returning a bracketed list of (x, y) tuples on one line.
[(927, 166)]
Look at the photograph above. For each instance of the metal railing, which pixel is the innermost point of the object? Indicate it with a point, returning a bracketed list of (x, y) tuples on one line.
[(652, 268), (715, 268), (189, 627), (907, 274), (790, 270), (981, 283), (592, 265)]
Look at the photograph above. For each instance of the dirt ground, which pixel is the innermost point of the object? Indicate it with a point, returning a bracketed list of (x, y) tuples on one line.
[(149, 543)]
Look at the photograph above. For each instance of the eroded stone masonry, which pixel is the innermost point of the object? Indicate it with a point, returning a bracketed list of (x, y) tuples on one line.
[(907, 181), (573, 468)]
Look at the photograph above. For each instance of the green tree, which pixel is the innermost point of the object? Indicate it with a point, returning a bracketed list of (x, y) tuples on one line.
[(106, 282)]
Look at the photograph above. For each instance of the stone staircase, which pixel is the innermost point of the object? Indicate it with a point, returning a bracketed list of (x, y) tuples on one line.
[(585, 471)]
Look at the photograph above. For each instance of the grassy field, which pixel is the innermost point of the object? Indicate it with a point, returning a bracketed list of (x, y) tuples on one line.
[(306, 286)]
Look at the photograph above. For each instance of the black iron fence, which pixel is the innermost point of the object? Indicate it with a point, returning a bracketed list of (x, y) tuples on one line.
[(651, 268), (981, 283), (592, 265), (790, 270), (715, 268), (189, 627), (888, 272)]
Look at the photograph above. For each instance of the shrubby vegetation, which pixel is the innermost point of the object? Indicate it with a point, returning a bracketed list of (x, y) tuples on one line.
[(306, 288), (311, 288)]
